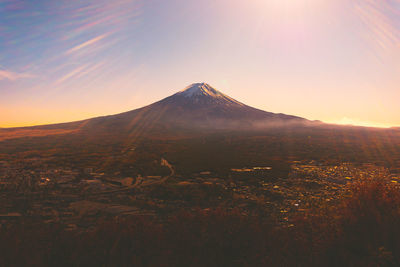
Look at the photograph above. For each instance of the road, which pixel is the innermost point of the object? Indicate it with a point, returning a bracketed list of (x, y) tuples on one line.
[(141, 181)]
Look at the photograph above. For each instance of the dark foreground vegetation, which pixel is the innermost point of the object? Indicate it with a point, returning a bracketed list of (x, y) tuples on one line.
[(363, 229)]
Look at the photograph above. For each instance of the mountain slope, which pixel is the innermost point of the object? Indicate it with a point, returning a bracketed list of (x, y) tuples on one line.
[(199, 106)]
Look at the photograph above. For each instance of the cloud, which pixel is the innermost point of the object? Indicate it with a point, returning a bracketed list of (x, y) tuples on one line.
[(71, 74), (87, 43), (379, 18), (80, 72), (13, 76)]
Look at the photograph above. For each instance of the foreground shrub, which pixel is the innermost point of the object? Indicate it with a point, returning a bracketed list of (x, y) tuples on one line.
[(367, 226), (360, 230)]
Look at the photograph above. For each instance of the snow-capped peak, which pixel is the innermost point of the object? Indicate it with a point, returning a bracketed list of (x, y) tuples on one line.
[(198, 89)]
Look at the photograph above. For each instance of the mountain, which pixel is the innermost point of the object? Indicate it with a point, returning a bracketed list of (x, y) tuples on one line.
[(197, 107), (202, 105)]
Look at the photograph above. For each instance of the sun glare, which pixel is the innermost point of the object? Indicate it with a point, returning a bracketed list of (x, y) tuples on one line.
[(292, 5)]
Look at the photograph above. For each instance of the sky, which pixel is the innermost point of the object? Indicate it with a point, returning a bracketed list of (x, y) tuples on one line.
[(337, 61)]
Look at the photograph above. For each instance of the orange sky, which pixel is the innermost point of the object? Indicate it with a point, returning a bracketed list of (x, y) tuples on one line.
[(332, 60)]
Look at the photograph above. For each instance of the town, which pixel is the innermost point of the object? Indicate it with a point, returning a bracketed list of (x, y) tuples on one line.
[(79, 198)]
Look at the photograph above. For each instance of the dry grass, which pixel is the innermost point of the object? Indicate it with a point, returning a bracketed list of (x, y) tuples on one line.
[(363, 230), (19, 133)]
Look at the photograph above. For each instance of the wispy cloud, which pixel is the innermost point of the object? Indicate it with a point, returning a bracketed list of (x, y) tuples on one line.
[(71, 74), (13, 76), (379, 18), (80, 71), (86, 44)]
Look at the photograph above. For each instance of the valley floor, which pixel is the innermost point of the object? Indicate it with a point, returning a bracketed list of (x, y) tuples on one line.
[(78, 201)]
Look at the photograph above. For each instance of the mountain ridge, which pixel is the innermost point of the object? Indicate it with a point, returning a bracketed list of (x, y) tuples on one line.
[(197, 106)]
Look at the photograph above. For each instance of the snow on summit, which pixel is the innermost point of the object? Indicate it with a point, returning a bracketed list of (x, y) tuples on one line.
[(205, 90), (197, 89)]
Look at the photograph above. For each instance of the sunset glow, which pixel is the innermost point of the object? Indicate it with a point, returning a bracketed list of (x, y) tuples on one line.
[(319, 59), (200, 133)]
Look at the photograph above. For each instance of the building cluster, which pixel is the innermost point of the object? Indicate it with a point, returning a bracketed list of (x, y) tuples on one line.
[(78, 198)]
